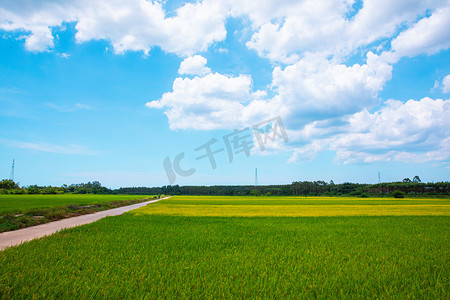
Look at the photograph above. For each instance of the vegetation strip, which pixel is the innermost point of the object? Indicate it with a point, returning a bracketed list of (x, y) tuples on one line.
[(13, 238), (21, 211)]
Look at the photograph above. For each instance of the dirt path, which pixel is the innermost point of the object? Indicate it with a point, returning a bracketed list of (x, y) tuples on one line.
[(12, 238)]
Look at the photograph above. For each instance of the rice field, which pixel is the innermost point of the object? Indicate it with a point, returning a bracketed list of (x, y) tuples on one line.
[(152, 253), (23, 203), (233, 206)]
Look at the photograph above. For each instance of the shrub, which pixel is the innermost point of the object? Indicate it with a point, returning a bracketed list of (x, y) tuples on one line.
[(398, 194)]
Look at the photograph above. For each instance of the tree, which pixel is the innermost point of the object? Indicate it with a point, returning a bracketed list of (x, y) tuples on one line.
[(407, 180), (416, 179), (8, 184), (255, 193), (398, 194)]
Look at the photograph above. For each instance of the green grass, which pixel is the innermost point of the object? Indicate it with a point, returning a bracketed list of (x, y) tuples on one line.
[(20, 211), (235, 257), (153, 252), (23, 203)]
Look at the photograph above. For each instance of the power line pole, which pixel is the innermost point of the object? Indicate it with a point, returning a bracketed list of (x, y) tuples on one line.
[(11, 177), (256, 176), (379, 177)]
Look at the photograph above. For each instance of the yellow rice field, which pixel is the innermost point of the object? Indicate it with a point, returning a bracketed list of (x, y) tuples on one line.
[(234, 206)]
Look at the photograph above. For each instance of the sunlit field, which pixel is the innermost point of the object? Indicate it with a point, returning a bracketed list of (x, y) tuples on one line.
[(23, 203), (295, 206), (154, 252), (20, 211)]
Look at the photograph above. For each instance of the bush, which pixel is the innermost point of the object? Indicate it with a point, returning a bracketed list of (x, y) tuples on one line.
[(398, 194), (55, 215)]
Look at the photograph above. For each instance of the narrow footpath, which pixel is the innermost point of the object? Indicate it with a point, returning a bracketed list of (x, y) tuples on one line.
[(16, 237)]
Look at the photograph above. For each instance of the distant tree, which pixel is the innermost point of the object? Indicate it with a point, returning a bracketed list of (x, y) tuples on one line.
[(33, 189), (398, 194), (255, 193), (416, 179), (407, 180), (8, 184)]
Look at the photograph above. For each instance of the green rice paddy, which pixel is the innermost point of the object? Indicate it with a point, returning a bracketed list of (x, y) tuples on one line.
[(24, 203), (149, 255)]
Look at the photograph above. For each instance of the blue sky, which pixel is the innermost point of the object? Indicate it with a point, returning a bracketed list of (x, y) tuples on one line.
[(107, 90)]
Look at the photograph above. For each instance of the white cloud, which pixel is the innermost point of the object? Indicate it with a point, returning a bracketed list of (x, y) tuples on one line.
[(323, 100), (429, 35), (40, 40), (68, 108), (64, 55), (446, 84), (281, 31), (313, 88), (383, 18), (135, 25), (415, 131), (284, 31), (302, 26), (317, 88), (194, 65), (51, 148), (204, 103)]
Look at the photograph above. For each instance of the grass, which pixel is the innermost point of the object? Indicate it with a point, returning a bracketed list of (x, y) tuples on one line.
[(23, 203), (156, 253), (20, 211), (153, 256), (295, 206)]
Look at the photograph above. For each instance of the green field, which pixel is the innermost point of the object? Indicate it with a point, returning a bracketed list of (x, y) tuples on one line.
[(23, 203), (234, 206), (20, 211), (144, 254)]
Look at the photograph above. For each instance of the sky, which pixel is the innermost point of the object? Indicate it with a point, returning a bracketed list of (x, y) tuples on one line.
[(151, 93)]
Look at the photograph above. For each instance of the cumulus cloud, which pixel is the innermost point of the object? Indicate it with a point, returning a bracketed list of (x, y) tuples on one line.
[(281, 31), (312, 88), (315, 87), (307, 26), (446, 84), (285, 33), (211, 102), (412, 131), (429, 35), (194, 65), (135, 25), (323, 99)]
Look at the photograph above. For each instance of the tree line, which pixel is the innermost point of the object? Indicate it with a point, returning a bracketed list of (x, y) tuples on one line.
[(296, 188)]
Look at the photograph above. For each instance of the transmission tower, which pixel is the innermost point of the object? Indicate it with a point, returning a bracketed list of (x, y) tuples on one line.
[(12, 172), (379, 177), (256, 176)]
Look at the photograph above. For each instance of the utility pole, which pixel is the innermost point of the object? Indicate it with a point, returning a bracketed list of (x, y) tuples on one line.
[(11, 177)]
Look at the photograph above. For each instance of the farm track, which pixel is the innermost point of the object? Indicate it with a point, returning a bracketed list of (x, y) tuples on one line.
[(16, 237)]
